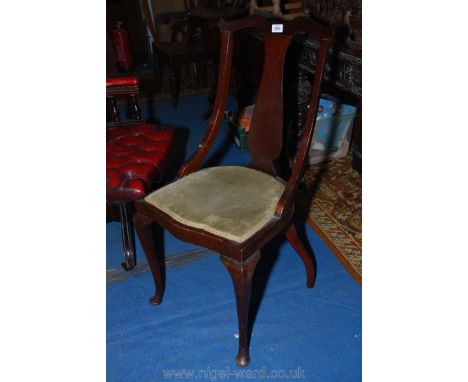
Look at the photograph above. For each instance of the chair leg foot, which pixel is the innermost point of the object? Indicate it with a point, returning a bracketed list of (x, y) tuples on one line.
[(145, 230), (243, 358), (156, 299), (296, 243), (128, 238), (241, 275)]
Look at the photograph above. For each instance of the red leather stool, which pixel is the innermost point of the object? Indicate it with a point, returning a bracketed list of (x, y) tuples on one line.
[(137, 155)]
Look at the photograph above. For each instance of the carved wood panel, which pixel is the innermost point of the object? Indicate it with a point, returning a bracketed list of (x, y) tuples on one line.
[(343, 69), (333, 11)]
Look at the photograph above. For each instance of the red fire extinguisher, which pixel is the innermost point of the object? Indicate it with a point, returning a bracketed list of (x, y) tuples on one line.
[(122, 47)]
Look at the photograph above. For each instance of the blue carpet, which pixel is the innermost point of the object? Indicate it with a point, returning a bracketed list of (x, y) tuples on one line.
[(299, 333)]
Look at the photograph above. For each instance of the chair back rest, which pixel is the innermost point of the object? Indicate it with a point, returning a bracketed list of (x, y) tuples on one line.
[(266, 129), (122, 86)]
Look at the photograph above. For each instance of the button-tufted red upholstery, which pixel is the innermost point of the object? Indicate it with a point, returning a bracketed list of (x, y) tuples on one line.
[(137, 157)]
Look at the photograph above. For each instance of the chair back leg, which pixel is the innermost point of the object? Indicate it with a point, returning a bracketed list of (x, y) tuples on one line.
[(296, 243)]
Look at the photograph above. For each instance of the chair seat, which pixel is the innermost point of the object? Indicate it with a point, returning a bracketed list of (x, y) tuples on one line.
[(136, 158), (231, 202)]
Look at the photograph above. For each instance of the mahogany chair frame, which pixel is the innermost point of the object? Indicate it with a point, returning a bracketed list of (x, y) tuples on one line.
[(265, 143)]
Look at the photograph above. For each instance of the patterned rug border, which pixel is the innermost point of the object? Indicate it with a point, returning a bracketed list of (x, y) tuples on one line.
[(331, 204)]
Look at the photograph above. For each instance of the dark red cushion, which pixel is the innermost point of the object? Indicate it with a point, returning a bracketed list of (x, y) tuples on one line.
[(121, 81), (136, 158)]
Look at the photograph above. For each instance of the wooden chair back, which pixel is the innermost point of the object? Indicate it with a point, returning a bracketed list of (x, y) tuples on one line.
[(129, 88), (266, 130)]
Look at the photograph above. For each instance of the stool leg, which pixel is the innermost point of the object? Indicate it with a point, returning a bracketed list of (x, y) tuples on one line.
[(241, 275), (115, 110), (136, 109), (128, 237)]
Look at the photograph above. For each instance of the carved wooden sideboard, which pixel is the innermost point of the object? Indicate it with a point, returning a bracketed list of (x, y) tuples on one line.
[(344, 65), (342, 79), (343, 71)]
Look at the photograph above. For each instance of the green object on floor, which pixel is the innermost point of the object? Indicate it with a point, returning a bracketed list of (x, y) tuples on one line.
[(240, 135), (241, 139)]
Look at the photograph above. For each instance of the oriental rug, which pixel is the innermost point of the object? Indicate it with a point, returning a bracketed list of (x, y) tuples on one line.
[(331, 198)]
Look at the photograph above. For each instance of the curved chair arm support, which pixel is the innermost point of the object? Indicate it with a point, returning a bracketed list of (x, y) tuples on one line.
[(224, 75), (287, 198)]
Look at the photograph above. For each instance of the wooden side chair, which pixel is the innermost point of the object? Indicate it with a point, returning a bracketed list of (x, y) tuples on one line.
[(137, 155), (185, 46), (237, 210)]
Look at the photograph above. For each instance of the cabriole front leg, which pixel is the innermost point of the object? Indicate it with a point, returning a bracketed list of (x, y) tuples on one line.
[(144, 228), (241, 275)]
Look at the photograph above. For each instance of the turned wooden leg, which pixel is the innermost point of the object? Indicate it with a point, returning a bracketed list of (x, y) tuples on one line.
[(174, 79), (128, 238), (135, 107), (296, 243), (241, 275), (144, 227), (115, 110)]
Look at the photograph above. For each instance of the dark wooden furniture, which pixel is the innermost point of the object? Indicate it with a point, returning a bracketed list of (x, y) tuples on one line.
[(194, 40), (237, 210), (344, 73), (185, 46), (136, 159), (208, 18), (342, 79)]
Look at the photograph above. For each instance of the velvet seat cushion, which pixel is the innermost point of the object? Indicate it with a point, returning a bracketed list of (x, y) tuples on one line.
[(231, 202)]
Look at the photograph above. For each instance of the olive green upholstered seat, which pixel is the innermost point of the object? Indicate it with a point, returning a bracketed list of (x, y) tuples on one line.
[(231, 202)]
